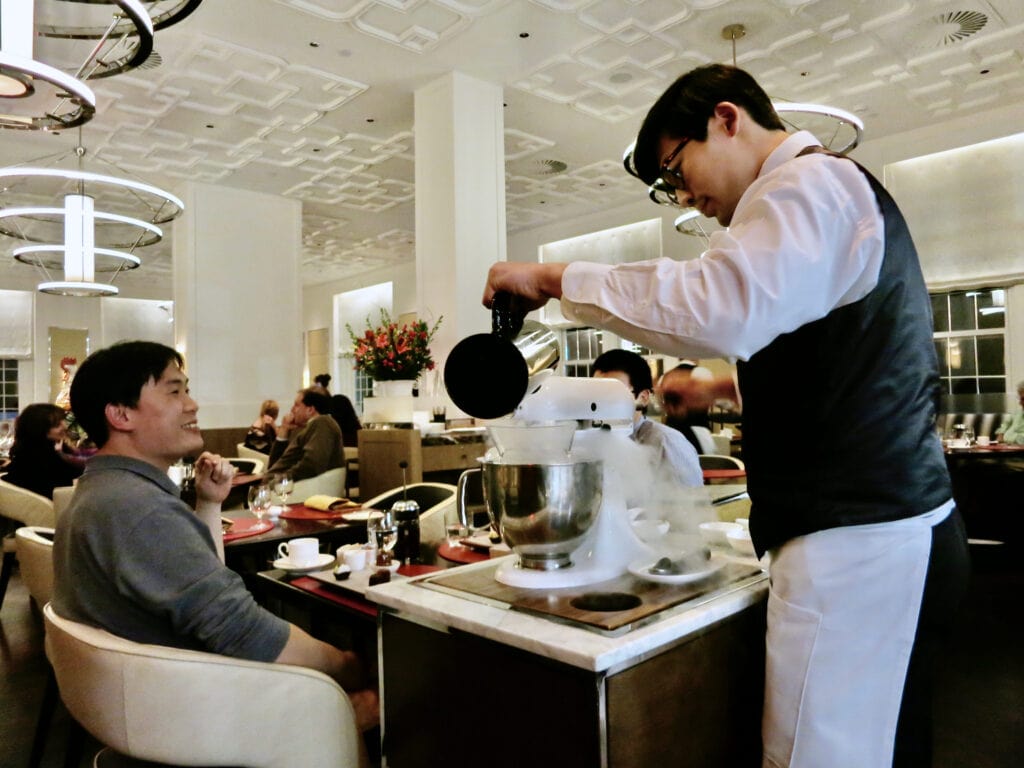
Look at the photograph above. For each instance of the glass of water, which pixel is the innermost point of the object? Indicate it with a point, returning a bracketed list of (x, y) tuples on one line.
[(260, 500), (382, 534), (283, 486)]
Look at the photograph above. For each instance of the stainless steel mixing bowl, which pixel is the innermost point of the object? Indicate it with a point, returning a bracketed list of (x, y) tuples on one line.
[(543, 510)]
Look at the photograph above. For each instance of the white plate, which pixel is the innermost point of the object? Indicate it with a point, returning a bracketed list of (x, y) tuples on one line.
[(362, 514), (642, 570), (323, 561), (481, 541)]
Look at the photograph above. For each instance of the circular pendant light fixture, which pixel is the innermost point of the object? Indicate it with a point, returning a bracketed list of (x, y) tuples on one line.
[(83, 236), (34, 95), (116, 35)]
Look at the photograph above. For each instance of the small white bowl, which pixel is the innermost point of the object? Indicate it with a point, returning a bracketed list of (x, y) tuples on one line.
[(646, 530), (715, 533), (740, 541)]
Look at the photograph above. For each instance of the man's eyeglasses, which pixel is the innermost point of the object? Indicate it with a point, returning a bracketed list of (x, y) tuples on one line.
[(663, 190), (671, 179)]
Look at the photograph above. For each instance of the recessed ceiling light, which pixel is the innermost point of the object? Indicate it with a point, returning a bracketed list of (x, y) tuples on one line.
[(524, 35), (209, 125), (369, 120), (314, 44)]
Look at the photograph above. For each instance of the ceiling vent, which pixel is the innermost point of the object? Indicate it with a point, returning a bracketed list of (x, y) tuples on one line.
[(550, 167), (949, 29), (152, 61)]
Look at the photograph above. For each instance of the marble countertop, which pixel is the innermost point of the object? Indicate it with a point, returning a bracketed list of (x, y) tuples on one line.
[(562, 642)]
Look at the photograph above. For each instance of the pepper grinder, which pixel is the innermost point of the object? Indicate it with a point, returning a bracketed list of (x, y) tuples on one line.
[(406, 513)]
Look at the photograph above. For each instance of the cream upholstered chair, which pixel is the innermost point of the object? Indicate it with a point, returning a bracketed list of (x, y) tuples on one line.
[(331, 483), (715, 461), (707, 442), (245, 452), (351, 472), (26, 508), (179, 707), (61, 498), (35, 559), (437, 504), (248, 465)]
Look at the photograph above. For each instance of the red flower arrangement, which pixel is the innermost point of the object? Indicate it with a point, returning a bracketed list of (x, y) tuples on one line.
[(390, 352)]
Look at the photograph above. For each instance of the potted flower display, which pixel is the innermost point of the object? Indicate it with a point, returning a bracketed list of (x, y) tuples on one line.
[(393, 352)]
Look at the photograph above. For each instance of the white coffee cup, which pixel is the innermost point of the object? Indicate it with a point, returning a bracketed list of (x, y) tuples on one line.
[(982, 440), (300, 552), (355, 558)]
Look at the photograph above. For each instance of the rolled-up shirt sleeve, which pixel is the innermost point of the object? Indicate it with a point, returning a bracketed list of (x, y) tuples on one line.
[(806, 238)]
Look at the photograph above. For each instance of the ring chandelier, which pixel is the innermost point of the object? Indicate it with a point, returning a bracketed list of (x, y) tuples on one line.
[(117, 37), (91, 236)]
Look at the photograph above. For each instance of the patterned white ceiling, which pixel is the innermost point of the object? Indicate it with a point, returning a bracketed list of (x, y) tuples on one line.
[(313, 99)]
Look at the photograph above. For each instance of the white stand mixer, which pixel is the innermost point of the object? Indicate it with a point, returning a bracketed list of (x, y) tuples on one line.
[(562, 422)]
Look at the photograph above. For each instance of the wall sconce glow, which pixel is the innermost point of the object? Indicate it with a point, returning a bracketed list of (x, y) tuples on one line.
[(953, 356)]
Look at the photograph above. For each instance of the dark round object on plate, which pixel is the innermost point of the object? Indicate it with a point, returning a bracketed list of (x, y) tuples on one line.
[(605, 601), (486, 376)]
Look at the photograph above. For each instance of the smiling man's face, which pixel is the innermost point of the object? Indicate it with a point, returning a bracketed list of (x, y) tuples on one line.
[(164, 422)]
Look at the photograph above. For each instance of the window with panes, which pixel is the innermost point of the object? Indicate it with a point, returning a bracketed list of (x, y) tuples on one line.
[(580, 348), (8, 389), (970, 340)]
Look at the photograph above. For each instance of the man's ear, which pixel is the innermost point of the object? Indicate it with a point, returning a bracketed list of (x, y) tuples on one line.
[(118, 417), (644, 398), (728, 115)]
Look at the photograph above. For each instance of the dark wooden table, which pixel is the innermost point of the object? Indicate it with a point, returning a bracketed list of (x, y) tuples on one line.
[(988, 486), (256, 553)]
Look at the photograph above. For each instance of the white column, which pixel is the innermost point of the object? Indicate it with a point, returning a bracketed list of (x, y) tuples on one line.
[(460, 202), (237, 300)]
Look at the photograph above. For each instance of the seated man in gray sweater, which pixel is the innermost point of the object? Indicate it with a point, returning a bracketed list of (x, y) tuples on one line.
[(309, 440), (134, 559)]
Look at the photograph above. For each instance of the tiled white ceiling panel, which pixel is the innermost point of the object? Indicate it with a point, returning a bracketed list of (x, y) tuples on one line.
[(312, 99)]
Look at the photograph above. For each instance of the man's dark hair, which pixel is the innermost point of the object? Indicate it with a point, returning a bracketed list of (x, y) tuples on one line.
[(116, 375), (629, 363), (684, 109), (316, 400)]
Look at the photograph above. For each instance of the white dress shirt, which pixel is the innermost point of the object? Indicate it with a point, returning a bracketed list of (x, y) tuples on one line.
[(771, 272)]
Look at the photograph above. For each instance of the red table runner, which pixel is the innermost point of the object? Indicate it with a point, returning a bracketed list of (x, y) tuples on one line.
[(302, 512), (457, 553), (247, 526)]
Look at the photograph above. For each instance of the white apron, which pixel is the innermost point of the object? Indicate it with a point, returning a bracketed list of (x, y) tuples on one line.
[(842, 616)]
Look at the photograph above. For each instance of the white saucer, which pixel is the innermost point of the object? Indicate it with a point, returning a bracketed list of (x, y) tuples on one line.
[(323, 561), (642, 570)]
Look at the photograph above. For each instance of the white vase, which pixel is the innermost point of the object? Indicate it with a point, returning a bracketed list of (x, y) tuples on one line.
[(393, 388)]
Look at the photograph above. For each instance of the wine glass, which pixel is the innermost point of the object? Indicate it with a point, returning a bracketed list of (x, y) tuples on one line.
[(260, 500), (382, 532), (283, 486)]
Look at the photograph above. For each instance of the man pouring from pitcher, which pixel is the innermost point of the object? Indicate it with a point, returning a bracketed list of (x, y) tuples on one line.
[(816, 272)]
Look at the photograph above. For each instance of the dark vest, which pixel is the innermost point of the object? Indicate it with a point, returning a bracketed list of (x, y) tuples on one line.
[(839, 415)]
